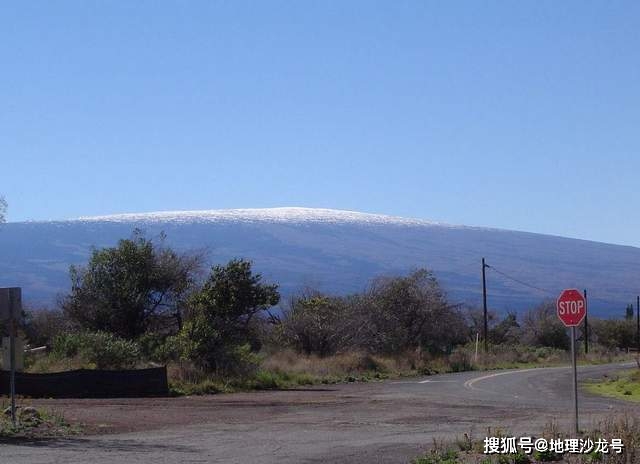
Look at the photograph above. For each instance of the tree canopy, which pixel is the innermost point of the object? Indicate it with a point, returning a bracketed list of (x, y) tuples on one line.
[(130, 288), (217, 332), (3, 209), (396, 314)]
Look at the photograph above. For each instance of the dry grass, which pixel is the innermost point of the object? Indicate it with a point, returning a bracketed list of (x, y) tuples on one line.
[(45, 363), (626, 428), (186, 379), (469, 451), (339, 365), (287, 366)]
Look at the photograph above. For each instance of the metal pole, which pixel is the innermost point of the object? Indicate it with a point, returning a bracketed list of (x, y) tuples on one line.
[(575, 376), (476, 356), (484, 305), (586, 323), (12, 353)]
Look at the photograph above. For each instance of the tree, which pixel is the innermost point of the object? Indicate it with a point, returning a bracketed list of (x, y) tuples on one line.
[(396, 314), (614, 333), (42, 326), (507, 331), (3, 209), (629, 312), (318, 324), (541, 327), (130, 288), (412, 312), (218, 333), (475, 321)]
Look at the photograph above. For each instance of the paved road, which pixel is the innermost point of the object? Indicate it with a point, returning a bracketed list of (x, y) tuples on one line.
[(386, 422)]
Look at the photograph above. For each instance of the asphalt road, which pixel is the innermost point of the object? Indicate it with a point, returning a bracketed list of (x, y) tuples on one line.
[(385, 422)]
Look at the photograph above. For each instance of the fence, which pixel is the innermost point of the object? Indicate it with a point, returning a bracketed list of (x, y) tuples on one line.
[(86, 383)]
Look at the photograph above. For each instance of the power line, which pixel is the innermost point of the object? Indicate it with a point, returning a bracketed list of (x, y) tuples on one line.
[(521, 282)]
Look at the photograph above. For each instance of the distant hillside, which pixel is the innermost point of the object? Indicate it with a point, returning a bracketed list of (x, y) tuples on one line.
[(339, 252)]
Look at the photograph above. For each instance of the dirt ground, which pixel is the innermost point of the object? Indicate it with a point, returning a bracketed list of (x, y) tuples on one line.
[(117, 415)]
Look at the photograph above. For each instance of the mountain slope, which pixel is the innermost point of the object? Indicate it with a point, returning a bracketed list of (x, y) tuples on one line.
[(337, 251)]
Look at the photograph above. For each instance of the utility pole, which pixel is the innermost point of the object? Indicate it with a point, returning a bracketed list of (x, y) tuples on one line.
[(586, 323), (638, 324), (484, 305)]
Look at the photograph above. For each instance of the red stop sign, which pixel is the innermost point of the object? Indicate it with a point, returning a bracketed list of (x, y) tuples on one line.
[(571, 307)]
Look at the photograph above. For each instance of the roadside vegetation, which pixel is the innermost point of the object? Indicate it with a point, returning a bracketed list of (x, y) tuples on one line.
[(34, 423), (625, 386), (141, 303), (470, 450)]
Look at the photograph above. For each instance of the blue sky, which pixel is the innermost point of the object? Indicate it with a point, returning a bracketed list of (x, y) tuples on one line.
[(519, 115)]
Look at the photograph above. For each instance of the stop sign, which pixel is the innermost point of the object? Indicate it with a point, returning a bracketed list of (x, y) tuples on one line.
[(571, 307)]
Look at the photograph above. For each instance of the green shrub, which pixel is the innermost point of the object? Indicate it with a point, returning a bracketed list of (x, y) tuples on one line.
[(546, 456), (521, 458), (104, 350), (517, 458), (266, 380), (204, 387), (439, 457), (159, 348)]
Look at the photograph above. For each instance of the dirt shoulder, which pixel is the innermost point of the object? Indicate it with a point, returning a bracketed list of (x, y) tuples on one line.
[(116, 415)]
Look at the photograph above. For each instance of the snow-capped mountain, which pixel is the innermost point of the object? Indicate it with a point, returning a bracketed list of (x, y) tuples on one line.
[(339, 252), (280, 215)]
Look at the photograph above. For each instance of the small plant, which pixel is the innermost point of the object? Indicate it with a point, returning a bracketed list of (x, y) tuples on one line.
[(520, 458), (514, 458), (438, 457), (546, 456), (592, 457), (465, 443), (36, 423)]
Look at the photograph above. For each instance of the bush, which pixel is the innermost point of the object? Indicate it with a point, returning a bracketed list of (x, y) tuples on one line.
[(395, 315), (103, 350), (317, 324), (541, 327), (615, 334), (460, 361), (159, 348)]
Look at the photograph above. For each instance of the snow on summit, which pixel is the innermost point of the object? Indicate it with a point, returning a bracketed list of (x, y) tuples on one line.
[(290, 214), (337, 251)]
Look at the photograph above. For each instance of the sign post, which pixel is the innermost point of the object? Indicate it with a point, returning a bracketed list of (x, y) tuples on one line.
[(572, 309), (10, 307)]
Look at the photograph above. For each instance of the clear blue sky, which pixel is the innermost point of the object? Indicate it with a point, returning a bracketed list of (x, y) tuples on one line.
[(519, 115)]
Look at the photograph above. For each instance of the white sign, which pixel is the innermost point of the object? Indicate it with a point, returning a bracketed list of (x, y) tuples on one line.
[(6, 354)]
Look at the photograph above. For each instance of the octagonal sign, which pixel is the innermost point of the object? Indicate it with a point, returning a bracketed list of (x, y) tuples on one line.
[(571, 307)]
